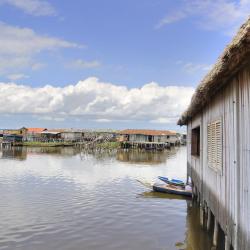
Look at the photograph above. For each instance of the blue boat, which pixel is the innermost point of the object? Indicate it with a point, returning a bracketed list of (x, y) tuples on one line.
[(169, 189), (175, 182)]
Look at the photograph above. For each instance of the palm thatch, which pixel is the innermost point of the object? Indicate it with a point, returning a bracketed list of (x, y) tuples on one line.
[(235, 56)]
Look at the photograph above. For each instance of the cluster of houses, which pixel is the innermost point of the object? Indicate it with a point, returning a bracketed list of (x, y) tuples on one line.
[(41, 135), (128, 136)]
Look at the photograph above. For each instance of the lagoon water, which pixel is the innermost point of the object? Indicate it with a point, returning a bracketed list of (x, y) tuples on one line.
[(59, 198)]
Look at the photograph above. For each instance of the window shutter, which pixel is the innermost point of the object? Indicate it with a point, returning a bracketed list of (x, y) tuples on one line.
[(209, 143), (214, 144), (218, 132)]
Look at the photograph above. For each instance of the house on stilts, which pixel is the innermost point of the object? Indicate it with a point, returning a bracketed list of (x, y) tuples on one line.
[(148, 139), (218, 143)]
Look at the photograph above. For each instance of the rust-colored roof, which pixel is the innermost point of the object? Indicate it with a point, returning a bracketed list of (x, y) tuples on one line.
[(35, 130), (146, 132)]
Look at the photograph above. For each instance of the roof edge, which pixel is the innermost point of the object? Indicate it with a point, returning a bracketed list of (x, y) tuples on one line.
[(235, 56)]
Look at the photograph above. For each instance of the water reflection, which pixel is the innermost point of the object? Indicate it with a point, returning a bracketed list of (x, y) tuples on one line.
[(60, 199), (17, 153), (145, 157), (157, 195), (63, 151), (21, 153)]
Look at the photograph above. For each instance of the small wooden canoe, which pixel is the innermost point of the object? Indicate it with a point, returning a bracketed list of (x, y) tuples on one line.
[(172, 181), (170, 189)]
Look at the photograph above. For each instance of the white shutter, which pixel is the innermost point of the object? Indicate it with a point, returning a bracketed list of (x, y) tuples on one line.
[(214, 145), (209, 143), (218, 132)]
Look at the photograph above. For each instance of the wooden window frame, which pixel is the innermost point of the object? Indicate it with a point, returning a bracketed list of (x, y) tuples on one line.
[(196, 141)]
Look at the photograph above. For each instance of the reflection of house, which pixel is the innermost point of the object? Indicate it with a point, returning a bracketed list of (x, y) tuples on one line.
[(134, 156), (218, 120), (144, 136), (18, 153)]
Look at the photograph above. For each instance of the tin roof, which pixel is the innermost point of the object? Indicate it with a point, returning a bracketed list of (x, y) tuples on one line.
[(146, 132)]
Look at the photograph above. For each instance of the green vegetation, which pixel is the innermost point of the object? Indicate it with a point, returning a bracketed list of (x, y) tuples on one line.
[(46, 144)]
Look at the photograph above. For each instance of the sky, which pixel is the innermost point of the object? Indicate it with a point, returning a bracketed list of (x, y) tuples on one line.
[(108, 64)]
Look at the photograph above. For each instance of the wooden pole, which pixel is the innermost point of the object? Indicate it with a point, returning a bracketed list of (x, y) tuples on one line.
[(198, 196), (227, 243), (215, 237), (208, 219), (201, 216)]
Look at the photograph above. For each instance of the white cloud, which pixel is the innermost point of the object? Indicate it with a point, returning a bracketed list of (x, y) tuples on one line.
[(32, 7), (225, 15), (103, 120), (37, 66), (171, 18), (96, 100), (164, 120), (50, 118), (14, 77), (193, 68), (19, 46), (81, 64)]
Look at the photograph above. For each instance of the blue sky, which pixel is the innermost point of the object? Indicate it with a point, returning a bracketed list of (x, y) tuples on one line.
[(108, 64)]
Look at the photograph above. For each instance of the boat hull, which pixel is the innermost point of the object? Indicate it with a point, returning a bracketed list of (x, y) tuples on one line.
[(171, 190)]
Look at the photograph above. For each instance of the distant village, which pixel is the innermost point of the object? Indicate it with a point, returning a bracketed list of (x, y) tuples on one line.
[(129, 138)]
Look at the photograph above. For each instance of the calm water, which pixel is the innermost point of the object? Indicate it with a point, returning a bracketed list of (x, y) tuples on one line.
[(57, 198)]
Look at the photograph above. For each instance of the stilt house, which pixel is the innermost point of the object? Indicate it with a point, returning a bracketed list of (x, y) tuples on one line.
[(218, 141)]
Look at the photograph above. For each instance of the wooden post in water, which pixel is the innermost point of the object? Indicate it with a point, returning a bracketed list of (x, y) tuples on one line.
[(201, 215), (208, 219), (198, 196), (194, 191), (216, 230), (227, 243)]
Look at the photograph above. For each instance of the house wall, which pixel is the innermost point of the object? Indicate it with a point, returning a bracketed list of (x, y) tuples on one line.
[(226, 191), (155, 138), (71, 136), (32, 137), (243, 159), (138, 138)]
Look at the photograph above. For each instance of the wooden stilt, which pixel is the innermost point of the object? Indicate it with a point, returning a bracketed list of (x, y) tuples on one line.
[(201, 216), (227, 243), (215, 237), (208, 219), (198, 196)]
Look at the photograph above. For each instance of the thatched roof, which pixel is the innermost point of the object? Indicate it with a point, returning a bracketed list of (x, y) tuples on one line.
[(235, 56)]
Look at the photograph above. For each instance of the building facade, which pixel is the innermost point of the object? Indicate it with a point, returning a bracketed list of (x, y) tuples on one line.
[(148, 136), (218, 141)]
